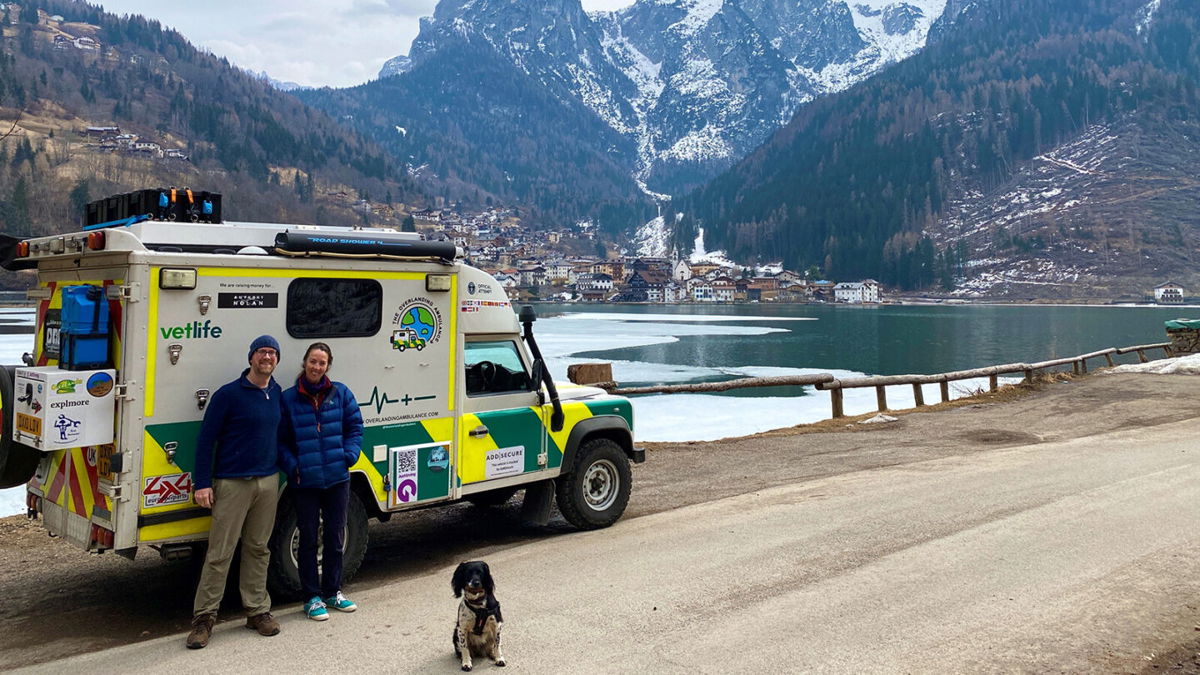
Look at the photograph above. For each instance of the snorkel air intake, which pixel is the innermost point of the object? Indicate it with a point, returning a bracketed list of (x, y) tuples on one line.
[(527, 317)]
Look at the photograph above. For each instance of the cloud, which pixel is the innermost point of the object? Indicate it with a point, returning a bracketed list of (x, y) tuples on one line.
[(337, 43)]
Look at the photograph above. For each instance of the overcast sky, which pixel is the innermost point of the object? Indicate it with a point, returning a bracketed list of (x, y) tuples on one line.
[(338, 43)]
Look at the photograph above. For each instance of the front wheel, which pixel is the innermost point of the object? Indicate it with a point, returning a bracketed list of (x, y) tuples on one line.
[(283, 576), (595, 494)]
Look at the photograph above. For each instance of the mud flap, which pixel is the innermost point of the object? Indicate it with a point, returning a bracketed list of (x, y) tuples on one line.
[(539, 499)]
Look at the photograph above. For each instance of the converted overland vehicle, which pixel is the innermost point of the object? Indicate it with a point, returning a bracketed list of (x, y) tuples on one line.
[(139, 321)]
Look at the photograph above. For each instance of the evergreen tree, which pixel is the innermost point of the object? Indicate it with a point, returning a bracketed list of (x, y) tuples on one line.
[(79, 197), (18, 209)]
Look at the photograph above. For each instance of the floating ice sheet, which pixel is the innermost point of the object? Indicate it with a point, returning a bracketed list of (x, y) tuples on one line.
[(666, 417), (669, 318)]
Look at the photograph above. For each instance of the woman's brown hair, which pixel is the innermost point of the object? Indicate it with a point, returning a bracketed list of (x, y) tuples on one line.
[(322, 347)]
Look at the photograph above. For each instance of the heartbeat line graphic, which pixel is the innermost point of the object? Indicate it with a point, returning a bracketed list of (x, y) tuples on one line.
[(380, 399)]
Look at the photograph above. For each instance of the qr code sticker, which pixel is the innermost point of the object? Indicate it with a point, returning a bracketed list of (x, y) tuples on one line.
[(406, 462)]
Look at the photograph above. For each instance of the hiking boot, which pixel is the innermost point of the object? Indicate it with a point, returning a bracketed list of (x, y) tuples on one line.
[(201, 631), (264, 623), (341, 603), (315, 609)]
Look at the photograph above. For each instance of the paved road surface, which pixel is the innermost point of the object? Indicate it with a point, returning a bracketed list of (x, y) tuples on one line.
[(1073, 555)]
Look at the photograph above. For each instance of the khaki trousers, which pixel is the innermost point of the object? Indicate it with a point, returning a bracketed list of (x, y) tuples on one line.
[(242, 508)]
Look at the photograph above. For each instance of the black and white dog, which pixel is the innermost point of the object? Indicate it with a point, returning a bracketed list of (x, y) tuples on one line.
[(479, 620)]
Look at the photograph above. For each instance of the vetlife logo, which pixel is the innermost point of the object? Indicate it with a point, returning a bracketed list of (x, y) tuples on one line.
[(191, 331)]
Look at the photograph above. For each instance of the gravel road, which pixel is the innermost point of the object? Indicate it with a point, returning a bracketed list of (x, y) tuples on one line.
[(1052, 531)]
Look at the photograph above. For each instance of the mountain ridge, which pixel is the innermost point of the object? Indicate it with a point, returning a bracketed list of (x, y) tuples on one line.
[(903, 177), (684, 87)]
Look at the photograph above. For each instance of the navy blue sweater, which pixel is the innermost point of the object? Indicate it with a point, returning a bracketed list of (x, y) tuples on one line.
[(239, 433)]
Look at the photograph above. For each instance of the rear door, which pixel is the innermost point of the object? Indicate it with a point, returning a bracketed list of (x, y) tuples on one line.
[(78, 484)]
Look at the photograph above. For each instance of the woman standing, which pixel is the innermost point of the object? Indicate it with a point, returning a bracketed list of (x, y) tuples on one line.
[(320, 431)]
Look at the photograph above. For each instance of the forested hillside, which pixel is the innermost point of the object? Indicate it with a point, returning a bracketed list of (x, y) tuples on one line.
[(877, 181), (184, 116), (496, 134)]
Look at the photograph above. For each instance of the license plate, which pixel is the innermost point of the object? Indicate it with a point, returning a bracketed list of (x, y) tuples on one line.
[(28, 424)]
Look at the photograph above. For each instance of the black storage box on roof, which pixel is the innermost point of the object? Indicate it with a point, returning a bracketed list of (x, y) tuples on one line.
[(142, 202), (197, 206), (91, 214), (114, 208), (203, 207), (209, 206)]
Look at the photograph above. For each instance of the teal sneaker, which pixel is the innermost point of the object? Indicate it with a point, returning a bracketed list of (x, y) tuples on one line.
[(341, 603), (315, 609)]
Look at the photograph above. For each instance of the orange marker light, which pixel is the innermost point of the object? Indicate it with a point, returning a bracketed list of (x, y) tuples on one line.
[(95, 241), (22, 249)]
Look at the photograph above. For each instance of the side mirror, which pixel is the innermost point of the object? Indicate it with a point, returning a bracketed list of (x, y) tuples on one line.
[(539, 372)]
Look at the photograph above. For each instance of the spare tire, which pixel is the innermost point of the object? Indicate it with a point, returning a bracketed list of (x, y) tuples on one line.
[(18, 462)]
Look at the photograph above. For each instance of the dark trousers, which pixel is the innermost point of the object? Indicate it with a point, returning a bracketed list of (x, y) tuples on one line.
[(312, 506)]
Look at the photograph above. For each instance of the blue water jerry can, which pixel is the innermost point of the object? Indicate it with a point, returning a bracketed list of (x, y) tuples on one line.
[(84, 309), (83, 351), (84, 336)]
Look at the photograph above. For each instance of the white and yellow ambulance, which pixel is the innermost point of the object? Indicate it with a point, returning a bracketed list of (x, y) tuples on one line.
[(139, 322)]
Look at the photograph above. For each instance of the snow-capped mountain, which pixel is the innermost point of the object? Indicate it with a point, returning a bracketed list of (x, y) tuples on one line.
[(694, 84), (396, 65), (277, 84)]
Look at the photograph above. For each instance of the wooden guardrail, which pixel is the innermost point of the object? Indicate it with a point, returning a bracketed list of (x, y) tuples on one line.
[(835, 387)]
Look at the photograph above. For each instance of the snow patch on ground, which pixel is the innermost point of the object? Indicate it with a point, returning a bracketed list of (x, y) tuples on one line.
[(699, 254), (869, 15), (1180, 365), (699, 13), (1145, 15), (650, 240)]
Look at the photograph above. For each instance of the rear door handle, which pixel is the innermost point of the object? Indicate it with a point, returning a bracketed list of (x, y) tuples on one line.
[(478, 432)]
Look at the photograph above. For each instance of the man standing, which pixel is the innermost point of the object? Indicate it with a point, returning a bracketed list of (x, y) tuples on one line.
[(237, 477)]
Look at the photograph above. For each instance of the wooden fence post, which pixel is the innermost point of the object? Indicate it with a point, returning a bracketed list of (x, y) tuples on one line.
[(918, 395), (835, 397), (1109, 358), (944, 386), (881, 397), (993, 382)]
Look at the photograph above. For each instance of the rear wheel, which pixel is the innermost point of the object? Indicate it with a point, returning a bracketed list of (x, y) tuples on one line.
[(18, 462), (283, 577), (595, 494)]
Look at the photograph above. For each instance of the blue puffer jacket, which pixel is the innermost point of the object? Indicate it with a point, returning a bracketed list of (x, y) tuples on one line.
[(318, 446)]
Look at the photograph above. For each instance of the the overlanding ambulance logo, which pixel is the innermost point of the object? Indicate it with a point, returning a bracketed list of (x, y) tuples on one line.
[(416, 325)]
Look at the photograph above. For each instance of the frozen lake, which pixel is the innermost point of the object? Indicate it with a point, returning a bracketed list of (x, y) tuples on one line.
[(680, 344)]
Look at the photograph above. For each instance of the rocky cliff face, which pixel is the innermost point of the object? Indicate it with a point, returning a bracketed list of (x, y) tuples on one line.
[(694, 84)]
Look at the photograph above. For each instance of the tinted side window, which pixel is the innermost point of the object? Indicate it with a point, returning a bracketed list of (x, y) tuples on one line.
[(328, 308), (494, 368)]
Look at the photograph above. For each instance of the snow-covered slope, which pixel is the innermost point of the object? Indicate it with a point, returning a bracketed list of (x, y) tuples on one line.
[(695, 84)]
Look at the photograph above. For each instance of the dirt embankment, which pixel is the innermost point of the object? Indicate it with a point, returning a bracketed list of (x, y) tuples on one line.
[(59, 601)]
